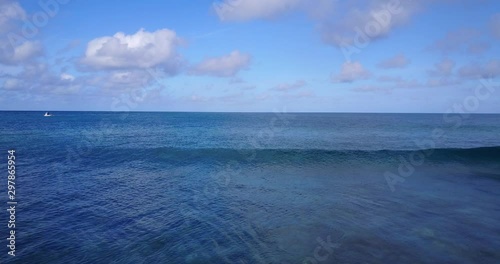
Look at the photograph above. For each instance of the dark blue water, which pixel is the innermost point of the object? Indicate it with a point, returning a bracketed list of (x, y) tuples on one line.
[(97, 187)]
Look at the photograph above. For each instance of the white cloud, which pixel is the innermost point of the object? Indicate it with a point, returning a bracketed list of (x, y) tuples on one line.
[(225, 66), (67, 77), (299, 95), (12, 55), (120, 80), (343, 23), (490, 69), (241, 10), (385, 78), (495, 25), (248, 87), (37, 79), (236, 80), (398, 61), (263, 96), (396, 83), (374, 21), (11, 84), (372, 89), (244, 10), (26, 51), (351, 71), (285, 87), (407, 84), (390, 83), (141, 50), (439, 82), (14, 49), (10, 11), (35, 71), (443, 68), (340, 22), (455, 40), (71, 45), (478, 48)]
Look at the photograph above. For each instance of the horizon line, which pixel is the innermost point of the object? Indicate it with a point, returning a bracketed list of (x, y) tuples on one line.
[(249, 112)]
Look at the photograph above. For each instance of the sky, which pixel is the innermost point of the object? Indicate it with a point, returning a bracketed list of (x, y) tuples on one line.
[(428, 56)]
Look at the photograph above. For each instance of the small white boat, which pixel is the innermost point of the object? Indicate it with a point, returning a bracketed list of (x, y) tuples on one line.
[(47, 114)]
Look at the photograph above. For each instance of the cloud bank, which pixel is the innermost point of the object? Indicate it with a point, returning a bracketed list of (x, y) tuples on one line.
[(224, 66), (351, 71)]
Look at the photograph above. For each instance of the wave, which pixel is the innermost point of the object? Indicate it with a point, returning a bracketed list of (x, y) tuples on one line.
[(482, 154), (106, 156)]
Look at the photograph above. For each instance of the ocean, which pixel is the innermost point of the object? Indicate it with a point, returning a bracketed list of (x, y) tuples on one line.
[(137, 187)]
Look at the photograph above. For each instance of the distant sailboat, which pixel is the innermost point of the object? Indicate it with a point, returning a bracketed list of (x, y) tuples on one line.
[(47, 114)]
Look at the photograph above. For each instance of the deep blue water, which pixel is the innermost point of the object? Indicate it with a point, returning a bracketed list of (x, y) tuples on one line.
[(97, 187)]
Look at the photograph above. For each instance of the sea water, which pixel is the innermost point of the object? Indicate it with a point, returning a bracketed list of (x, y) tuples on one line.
[(101, 187)]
